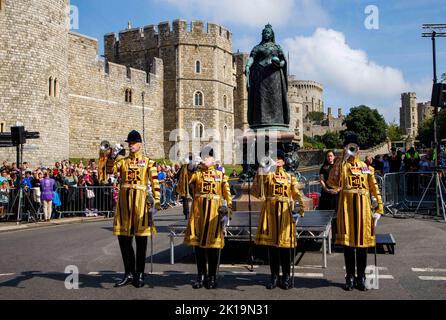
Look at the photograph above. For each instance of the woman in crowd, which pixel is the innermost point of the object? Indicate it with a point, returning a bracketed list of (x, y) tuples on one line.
[(329, 196)]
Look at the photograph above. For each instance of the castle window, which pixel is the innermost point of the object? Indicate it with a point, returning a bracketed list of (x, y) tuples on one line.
[(128, 95), (198, 99), (226, 132), (198, 67), (198, 130), (56, 87), (225, 102), (2, 127), (50, 86)]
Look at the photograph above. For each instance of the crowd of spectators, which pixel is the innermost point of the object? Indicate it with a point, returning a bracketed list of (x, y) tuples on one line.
[(72, 182)]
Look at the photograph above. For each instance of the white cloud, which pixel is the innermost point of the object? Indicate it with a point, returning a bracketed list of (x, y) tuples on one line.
[(326, 57), (255, 13)]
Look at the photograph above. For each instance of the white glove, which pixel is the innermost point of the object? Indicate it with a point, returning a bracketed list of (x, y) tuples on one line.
[(296, 217), (376, 217), (224, 221)]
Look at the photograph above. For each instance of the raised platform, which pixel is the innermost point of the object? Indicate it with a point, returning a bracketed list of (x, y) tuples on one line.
[(315, 225), (385, 243)]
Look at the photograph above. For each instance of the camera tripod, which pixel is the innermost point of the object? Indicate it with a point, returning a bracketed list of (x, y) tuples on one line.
[(19, 199)]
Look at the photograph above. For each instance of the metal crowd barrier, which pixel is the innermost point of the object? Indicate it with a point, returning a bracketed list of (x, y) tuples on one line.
[(73, 201), (409, 192)]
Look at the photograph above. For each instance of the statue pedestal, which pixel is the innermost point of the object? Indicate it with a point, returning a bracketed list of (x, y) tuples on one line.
[(258, 144)]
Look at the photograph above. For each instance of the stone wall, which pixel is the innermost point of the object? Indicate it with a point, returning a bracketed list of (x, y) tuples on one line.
[(296, 116), (241, 93), (98, 110), (33, 48), (311, 157), (311, 93)]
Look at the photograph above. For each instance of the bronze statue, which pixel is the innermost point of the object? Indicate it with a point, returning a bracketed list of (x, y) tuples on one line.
[(267, 78)]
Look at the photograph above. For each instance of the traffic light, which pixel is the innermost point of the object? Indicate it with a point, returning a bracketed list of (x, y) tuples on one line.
[(439, 95)]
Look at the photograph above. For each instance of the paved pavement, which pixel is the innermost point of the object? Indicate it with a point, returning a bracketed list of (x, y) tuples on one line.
[(36, 262)]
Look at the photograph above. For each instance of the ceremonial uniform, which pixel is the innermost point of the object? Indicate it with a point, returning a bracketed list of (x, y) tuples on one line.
[(276, 228), (183, 188), (204, 230), (132, 211), (355, 221), (133, 217)]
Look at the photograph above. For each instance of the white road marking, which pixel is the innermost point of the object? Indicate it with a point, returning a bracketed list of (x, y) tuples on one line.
[(309, 275), (379, 268), (309, 267), (240, 266), (428, 270), (430, 278), (244, 273), (6, 274), (384, 277)]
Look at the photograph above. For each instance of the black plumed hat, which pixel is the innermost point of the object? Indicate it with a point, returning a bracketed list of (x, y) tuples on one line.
[(280, 154), (207, 151), (134, 136), (350, 137)]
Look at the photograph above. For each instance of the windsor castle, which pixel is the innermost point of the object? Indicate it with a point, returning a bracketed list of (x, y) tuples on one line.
[(155, 79)]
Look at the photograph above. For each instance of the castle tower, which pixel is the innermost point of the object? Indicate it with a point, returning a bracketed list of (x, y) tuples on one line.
[(241, 93), (296, 115), (33, 76), (409, 114), (312, 95), (199, 73)]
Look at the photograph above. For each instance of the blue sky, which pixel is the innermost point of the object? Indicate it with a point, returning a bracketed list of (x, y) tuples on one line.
[(327, 40)]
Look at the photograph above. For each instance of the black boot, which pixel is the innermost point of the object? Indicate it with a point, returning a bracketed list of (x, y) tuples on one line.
[(128, 279), (274, 282), (138, 280), (128, 257), (200, 282), (201, 267), (349, 283), (360, 283), (286, 282), (213, 265), (211, 283)]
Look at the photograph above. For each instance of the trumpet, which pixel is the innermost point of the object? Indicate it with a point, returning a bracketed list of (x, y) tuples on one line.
[(352, 150), (266, 163), (116, 150), (104, 148)]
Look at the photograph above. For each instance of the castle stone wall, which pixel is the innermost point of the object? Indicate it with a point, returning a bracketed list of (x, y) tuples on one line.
[(98, 110), (33, 48)]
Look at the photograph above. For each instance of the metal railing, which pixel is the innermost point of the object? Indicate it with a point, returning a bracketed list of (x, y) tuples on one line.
[(409, 193), (73, 201)]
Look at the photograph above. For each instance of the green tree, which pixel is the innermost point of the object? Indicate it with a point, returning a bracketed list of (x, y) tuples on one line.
[(394, 132), (426, 129), (368, 124), (332, 140), (313, 143), (315, 116)]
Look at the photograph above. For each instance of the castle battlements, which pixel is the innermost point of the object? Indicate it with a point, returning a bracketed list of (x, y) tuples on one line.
[(86, 48), (306, 84), (165, 33)]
